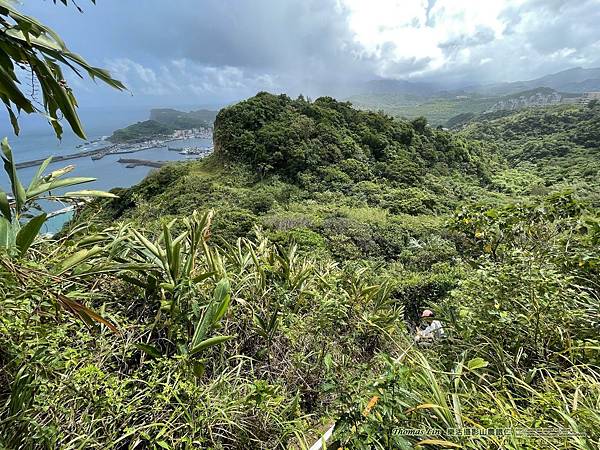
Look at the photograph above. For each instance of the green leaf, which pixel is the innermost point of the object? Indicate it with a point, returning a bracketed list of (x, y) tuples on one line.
[(11, 169), (28, 233), (203, 276), (45, 187), (77, 258), (5, 206), (150, 350), (477, 363), (60, 172), (214, 312), (37, 179), (10, 89), (7, 238), (222, 298), (146, 243), (199, 368), (215, 340)]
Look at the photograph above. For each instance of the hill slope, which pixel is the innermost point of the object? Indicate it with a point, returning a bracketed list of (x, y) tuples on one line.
[(560, 144), (183, 120), (296, 304), (449, 109)]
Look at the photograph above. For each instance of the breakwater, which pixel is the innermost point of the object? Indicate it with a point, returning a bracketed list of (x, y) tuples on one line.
[(59, 158), (131, 163)]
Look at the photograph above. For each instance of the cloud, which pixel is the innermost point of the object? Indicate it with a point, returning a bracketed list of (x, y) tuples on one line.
[(182, 77), (214, 49), (476, 41)]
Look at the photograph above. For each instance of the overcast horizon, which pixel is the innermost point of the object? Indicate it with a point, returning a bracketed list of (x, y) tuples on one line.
[(212, 53)]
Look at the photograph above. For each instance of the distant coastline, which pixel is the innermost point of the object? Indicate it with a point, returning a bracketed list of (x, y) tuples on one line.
[(124, 148)]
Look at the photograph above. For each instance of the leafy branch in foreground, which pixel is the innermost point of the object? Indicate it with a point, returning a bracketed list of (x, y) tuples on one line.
[(27, 45), (18, 225)]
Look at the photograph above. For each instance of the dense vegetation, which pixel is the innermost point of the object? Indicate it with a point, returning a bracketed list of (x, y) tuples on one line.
[(141, 131), (163, 122), (180, 120), (289, 303), (299, 139), (546, 148)]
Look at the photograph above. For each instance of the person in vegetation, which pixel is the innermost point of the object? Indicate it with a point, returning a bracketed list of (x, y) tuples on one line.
[(433, 328)]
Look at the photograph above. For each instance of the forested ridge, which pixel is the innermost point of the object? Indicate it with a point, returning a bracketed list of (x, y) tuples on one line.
[(272, 289), (558, 145)]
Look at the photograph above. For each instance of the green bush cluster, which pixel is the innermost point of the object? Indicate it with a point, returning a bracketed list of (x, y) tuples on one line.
[(337, 142)]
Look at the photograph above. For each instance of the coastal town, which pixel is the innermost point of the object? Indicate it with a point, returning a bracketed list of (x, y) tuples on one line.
[(177, 135)]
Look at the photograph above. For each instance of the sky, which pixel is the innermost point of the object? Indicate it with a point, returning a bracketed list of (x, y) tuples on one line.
[(213, 52)]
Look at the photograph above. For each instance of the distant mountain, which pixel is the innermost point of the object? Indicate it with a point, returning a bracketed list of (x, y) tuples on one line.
[(566, 77), (454, 109), (576, 80)]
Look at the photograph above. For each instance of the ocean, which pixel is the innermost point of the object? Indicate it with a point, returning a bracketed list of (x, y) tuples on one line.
[(37, 140)]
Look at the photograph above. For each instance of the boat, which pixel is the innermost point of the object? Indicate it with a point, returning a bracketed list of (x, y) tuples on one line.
[(194, 151)]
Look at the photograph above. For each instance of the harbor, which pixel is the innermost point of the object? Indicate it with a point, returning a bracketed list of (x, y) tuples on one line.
[(127, 148)]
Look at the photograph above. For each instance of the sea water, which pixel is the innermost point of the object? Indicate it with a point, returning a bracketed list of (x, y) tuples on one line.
[(37, 140)]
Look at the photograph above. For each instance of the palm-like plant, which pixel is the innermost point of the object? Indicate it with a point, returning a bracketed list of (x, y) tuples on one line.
[(170, 269), (18, 225)]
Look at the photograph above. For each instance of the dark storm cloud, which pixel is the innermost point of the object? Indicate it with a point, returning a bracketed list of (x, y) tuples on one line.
[(262, 35), (297, 46)]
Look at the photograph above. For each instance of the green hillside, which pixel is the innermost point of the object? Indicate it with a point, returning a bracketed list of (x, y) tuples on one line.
[(183, 120), (559, 145), (297, 138), (353, 180), (272, 289), (141, 131), (444, 109), (438, 110), (163, 122)]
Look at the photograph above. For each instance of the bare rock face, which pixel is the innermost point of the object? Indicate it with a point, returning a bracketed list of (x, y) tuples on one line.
[(526, 101)]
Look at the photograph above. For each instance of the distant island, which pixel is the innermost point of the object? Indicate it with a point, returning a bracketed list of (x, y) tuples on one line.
[(165, 122)]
